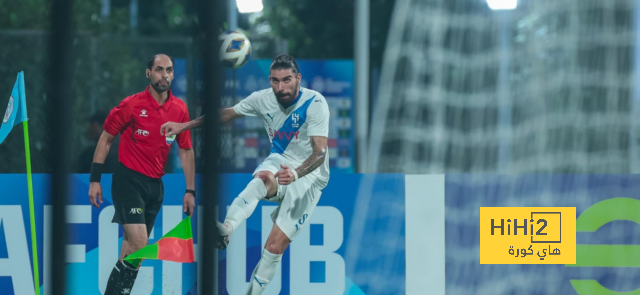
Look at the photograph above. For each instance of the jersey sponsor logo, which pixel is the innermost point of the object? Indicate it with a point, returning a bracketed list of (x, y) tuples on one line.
[(270, 116), (142, 132), (170, 139), (143, 113), (283, 134), (295, 119), (135, 211), (9, 111)]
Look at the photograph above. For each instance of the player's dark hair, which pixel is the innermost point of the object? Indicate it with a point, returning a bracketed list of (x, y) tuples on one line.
[(152, 60), (284, 62)]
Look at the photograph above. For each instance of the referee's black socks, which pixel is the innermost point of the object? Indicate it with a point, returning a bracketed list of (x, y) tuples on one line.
[(122, 278)]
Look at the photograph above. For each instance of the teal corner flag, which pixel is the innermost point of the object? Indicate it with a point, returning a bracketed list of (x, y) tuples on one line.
[(16, 109)]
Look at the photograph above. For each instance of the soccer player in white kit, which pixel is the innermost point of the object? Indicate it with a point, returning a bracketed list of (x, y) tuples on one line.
[(296, 171)]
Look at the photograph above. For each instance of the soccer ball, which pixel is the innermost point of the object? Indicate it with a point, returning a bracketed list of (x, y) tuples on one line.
[(235, 49)]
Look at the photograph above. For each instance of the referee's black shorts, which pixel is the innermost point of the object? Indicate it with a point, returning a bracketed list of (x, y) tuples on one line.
[(137, 198)]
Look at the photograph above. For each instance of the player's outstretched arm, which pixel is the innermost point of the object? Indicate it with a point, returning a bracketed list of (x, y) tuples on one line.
[(171, 128), (174, 128), (228, 114)]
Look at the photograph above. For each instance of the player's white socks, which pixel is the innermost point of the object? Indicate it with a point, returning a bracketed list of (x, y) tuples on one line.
[(245, 203), (264, 272)]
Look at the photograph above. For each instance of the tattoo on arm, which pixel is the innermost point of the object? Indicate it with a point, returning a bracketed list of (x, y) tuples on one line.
[(315, 160)]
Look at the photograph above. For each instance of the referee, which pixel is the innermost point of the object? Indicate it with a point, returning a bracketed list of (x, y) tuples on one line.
[(137, 188)]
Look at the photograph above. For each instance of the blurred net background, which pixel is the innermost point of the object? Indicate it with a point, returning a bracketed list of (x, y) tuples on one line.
[(547, 87), (540, 94), (537, 94)]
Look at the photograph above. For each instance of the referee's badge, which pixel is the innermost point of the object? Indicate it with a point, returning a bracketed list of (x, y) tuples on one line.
[(9, 111), (170, 139)]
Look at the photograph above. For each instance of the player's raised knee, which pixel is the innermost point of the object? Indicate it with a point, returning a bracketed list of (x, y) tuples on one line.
[(269, 182), (266, 176)]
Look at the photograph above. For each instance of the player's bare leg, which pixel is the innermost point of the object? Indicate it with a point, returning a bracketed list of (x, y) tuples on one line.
[(264, 272), (123, 275), (263, 185)]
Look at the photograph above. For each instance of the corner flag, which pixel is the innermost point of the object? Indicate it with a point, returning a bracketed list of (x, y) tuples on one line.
[(176, 245), (16, 109), (17, 112)]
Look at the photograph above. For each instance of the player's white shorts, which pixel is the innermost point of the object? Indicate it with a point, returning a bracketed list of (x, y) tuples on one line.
[(296, 200)]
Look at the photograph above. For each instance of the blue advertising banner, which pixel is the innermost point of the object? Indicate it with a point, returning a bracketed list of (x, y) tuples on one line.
[(315, 263), (370, 234)]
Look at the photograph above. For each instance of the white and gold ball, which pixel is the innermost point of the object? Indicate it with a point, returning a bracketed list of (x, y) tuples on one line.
[(235, 50)]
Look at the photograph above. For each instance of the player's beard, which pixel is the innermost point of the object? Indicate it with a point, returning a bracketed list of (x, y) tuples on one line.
[(161, 88), (286, 99)]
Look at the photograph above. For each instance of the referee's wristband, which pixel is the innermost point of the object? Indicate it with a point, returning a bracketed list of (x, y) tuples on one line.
[(295, 174), (96, 172), (191, 192)]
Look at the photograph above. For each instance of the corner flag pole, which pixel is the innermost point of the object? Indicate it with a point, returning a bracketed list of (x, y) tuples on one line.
[(32, 215)]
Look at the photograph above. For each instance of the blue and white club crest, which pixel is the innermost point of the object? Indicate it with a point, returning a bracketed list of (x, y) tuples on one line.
[(7, 114), (295, 117), (170, 139)]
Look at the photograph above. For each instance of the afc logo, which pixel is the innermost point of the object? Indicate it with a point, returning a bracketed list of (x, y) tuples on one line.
[(142, 132), (135, 211), (295, 118)]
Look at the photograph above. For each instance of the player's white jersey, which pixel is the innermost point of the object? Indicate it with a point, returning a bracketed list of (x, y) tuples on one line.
[(289, 128)]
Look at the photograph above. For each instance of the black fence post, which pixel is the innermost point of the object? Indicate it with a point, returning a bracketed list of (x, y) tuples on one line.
[(59, 74), (210, 20)]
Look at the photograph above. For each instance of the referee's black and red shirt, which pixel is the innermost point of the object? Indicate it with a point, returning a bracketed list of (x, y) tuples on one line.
[(138, 118)]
